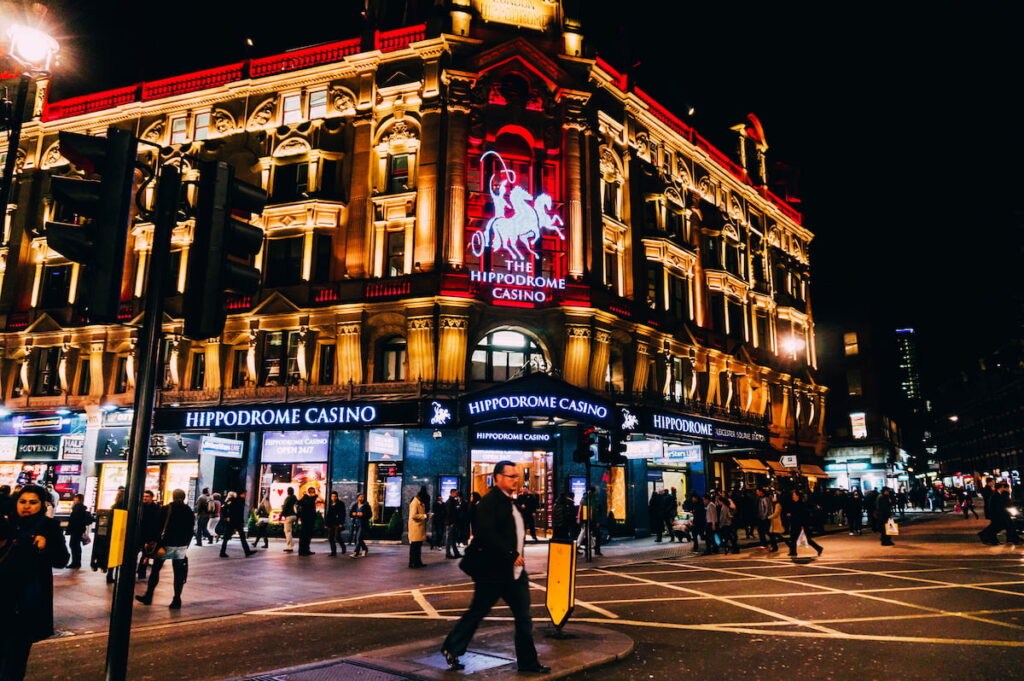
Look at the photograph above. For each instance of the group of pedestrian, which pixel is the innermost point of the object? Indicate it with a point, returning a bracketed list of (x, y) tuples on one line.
[(998, 502)]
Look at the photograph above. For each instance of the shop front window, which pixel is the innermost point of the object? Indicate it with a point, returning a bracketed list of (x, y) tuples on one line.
[(384, 456), (503, 355), (296, 460)]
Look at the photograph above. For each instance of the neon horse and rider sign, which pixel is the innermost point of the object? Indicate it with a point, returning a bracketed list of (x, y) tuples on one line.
[(515, 231)]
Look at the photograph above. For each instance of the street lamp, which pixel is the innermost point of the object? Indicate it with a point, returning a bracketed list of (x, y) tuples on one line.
[(34, 52)]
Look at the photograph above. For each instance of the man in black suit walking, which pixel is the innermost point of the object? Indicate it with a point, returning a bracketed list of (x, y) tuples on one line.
[(497, 565)]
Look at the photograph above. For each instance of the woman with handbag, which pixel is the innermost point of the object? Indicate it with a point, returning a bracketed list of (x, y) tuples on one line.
[(775, 527), (418, 527), (883, 514), (31, 545), (175, 536)]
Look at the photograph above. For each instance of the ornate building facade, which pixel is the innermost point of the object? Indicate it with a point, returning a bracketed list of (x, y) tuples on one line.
[(453, 206)]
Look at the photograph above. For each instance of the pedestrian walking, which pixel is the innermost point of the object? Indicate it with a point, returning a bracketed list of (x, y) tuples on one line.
[(262, 529), (669, 510), (202, 513), (31, 545), (799, 521), (726, 527), (986, 495), (497, 564), (855, 512), (213, 518), (775, 526), (288, 516), (967, 504), (149, 530), (234, 522), (654, 514), (999, 502), (178, 523), (452, 511), (78, 525), (467, 510), (563, 518), (306, 509), (361, 515), (764, 512), (527, 502), (589, 512), (711, 518), (884, 507), (437, 524), (334, 521), (118, 505), (418, 527), (698, 529)]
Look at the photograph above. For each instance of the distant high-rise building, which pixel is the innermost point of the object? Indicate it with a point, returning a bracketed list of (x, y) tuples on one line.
[(908, 374)]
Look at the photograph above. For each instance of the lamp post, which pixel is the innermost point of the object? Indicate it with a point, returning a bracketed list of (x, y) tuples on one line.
[(793, 345), (33, 51)]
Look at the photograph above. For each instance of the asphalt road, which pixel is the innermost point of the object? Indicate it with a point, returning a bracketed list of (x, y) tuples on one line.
[(937, 606)]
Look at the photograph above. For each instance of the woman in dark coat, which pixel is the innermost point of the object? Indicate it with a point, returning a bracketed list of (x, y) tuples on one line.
[(31, 545), (78, 523)]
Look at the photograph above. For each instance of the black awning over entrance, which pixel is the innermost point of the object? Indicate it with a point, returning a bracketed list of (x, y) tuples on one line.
[(537, 396)]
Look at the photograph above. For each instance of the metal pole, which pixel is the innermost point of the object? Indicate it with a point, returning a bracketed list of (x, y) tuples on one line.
[(13, 140), (168, 189), (587, 511)]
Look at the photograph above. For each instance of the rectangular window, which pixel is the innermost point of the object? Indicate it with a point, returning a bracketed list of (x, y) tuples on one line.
[(202, 126), (393, 357), (291, 182), (611, 268), (239, 368), (712, 256), (610, 199), (84, 377), (321, 258), (47, 377), (398, 173), (850, 343), (56, 286), (179, 130), (330, 171), (291, 109), (198, 379), (716, 308), (326, 376), (651, 220), (121, 376), (676, 223), (284, 262), (853, 382), (858, 424), (317, 104), (173, 271), (280, 358), (394, 254), (679, 297), (761, 325), (653, 284), (736, 322)]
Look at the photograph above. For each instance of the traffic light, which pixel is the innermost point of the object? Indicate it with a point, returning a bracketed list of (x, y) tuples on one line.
[(610, 448), (586, 437), (99, 242), (222, 248)]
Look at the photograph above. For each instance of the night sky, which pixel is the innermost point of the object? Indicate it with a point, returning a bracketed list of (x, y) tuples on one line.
[(903, 125)]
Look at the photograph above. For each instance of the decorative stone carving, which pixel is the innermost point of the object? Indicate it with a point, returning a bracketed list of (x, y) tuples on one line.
[(608, 162), (263, 114), (577, 331), (399, 132), (421, 323), (53, 158), (453, 322), (154, 133), (343, 100), (602, 336), (292, 147), (644, 148), (223, 122)]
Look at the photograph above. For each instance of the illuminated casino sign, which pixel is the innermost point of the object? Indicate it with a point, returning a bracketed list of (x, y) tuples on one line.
[(535, 14), (509, 246), (537, 396)]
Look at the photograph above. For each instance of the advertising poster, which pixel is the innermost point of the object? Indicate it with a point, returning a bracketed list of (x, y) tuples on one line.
[(39, 448), (66, 476), (393, 493), (448, 483), (309, 446), (72, 447)]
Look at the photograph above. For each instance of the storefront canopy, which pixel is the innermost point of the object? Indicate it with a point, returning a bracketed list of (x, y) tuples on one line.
[(813, 471), (779, 469), (751, 466)]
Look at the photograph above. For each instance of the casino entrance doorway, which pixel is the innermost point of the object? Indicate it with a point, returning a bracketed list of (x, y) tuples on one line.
[(532, 454)]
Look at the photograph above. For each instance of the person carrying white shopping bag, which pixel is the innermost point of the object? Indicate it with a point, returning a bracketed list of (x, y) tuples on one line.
[(883, 514)]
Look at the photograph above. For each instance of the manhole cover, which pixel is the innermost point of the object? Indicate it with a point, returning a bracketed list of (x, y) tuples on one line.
[(474, 662)]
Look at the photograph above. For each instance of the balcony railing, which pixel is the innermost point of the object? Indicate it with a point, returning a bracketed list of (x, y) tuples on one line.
[(305, 392), (698, 407)]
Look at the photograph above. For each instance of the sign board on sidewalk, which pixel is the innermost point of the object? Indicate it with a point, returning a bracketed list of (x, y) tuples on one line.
[(560, 598)]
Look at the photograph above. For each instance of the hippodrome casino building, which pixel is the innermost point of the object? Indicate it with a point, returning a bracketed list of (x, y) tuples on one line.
[(479, 237)]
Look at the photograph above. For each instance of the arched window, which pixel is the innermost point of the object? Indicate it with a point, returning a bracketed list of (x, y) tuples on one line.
[(393, 355), (502, 355)]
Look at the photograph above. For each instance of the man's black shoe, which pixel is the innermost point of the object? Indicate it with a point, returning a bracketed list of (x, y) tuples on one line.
[(536, 669), (453, 660)]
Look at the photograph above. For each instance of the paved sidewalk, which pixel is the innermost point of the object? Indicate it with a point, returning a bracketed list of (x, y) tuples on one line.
[(227, 586), (491, 657)]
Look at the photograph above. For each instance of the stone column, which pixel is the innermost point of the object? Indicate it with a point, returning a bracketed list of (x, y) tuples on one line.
[(577, 354), (421, 349), (601, 350), (97, 375), (574, 182), (348, 343), (425, 239), (459, 106), (451, 360), (212, 379), (354, 249), (642, 368)]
